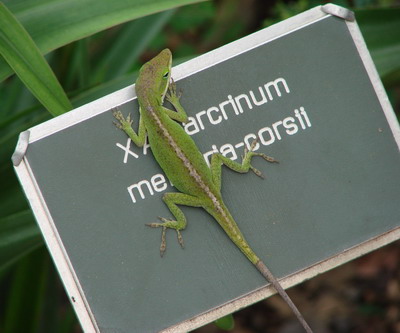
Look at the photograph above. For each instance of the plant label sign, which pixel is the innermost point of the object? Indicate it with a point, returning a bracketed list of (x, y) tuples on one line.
[(307, 90)]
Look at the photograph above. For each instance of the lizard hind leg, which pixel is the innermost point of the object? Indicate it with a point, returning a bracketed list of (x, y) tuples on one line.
[(168, 224), (172, 200)]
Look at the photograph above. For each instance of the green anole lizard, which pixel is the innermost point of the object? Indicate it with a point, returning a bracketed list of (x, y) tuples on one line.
[(184, 165)]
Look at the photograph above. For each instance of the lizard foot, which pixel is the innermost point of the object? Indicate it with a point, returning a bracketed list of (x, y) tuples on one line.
[(121, 122), (248, 155), (165, 225), (172, 95)]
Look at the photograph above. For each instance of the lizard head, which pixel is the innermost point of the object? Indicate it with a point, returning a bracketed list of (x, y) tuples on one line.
[(154, 75)]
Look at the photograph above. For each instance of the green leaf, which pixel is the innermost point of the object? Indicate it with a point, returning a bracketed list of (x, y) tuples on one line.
[(26, 295), (54, 23), (21, 53), (226, 323), (381, 31), (19, 235), (130, 43)]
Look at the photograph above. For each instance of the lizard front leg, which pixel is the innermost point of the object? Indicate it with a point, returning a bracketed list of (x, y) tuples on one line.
[(172, 200), (174, 98), (125, 124)]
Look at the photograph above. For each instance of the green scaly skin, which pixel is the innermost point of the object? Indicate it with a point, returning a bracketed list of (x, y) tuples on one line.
[(183, 163)]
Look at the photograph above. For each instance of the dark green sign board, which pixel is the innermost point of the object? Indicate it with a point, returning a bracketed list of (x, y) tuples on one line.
[(307, 90)]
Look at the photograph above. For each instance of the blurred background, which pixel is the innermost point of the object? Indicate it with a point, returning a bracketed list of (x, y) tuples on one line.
[(97, 47)]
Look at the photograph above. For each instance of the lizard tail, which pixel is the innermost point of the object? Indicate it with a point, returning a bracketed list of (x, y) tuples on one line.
[(271, 278)]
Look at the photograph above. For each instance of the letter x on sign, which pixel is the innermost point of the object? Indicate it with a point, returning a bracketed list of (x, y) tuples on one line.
[(127, 150)]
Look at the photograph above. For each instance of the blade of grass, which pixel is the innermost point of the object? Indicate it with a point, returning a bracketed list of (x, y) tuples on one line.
[(131, 41), (79, 65), (19, 235), (12, 199), (26, 296), (10, 93), (380, 28), (54, 23), (22, 54)]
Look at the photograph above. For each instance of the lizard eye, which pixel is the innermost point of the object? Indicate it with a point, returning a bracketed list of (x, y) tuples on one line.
[(166, 75)]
